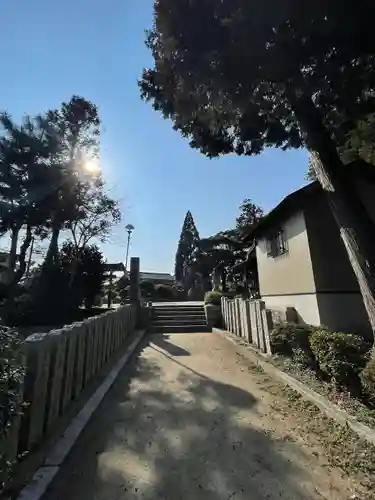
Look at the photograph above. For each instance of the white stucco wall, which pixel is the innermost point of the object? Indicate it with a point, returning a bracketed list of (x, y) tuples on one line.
[(288, 280), (306, 306), (290, 273)]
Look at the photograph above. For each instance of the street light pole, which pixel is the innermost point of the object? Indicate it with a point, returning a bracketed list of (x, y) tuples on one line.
[(129, 228)]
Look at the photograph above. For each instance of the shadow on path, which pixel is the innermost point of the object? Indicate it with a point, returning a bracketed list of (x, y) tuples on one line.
[(167, 432), (173, 349)]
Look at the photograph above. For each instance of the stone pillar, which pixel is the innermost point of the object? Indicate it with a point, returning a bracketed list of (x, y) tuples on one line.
[(237, 302), (253, 322), (37, 352), (258, 306), (230, 315), (245, 319), (267, 327), (134, 291)]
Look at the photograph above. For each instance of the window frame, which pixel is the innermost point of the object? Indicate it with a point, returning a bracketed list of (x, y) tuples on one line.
[(276, 244)]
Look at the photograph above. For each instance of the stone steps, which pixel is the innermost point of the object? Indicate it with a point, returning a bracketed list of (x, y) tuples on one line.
[(178, 318)]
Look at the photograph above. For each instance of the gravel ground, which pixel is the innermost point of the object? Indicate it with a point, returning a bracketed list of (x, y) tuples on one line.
[(191, 419)]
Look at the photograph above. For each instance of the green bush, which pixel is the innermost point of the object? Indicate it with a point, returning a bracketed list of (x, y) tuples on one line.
[(368, 378), (165, 292), (291, 339), (341, 356), (213, 298), (11, 374), (19, 312)]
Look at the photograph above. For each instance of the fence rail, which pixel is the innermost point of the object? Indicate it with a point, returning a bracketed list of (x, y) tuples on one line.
[(248, 319), (58, 366)]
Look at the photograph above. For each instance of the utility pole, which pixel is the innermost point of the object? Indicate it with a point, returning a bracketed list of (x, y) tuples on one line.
[(129, 228)]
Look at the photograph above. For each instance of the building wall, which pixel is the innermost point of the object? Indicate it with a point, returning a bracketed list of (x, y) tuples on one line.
[(344, 312), (332, 270), (288, 280), (291, 272), (305, 306), (340, 303)]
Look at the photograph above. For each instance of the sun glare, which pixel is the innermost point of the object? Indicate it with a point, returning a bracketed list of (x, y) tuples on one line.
[(92, 166)]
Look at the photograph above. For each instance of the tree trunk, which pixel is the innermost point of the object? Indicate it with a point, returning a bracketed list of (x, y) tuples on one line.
[(53, 249), (13, 252), (357, 230), (17, 276), (224, 280)]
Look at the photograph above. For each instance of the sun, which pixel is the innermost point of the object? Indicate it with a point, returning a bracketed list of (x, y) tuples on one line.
[(91, 166)]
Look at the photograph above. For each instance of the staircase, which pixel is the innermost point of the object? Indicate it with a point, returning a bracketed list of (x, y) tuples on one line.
[(180, 317)]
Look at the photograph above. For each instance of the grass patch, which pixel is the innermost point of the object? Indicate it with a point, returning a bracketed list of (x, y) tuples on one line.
[(345, 400)]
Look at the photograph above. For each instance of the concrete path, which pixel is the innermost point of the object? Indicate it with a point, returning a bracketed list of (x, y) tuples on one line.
[(188, 420)]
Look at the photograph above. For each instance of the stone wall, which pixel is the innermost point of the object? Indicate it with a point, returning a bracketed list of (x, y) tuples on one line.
[(248, 319), (59, 366)]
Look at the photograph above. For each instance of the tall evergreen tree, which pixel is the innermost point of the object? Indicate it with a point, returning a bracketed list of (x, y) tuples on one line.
[(189, 239)]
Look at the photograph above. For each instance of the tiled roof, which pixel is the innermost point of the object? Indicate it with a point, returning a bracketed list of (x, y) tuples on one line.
[(156, 276)]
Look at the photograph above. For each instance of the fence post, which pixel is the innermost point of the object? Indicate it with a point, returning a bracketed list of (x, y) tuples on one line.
[(267, 327), (226, 312), (253, 322), (246, 319), (234, 322), (58, 355), (37, 350), (243, 318), (238, 315), (258, 309)]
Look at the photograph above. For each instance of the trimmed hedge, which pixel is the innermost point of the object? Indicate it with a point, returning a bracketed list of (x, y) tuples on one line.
[(341, 356), (368, 378), (291, 339), (213, 298)]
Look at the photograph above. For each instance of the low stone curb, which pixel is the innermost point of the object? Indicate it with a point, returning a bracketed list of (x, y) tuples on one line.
[(46, 473), (330, 409)]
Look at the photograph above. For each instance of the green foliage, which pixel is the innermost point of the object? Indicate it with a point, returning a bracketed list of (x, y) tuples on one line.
[(122, 287), (247, 98), (291, 339), (250, 215), (187, 244), (368, 378), (11, 375), (83, 271), (213, 298), (341, 356), (164, 292), (20, 311), (147, 288)]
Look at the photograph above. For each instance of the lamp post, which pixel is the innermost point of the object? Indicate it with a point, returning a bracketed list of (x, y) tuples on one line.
[(129, 228)]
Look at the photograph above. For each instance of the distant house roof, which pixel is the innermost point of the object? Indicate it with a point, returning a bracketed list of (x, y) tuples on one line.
[(296, 201), (114, 267), (156, 276)]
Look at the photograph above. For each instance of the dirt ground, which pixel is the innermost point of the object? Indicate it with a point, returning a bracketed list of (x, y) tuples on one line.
[(191, 419)]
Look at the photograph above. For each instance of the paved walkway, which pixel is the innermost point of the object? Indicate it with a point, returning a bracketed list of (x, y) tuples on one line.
[(187, 420)]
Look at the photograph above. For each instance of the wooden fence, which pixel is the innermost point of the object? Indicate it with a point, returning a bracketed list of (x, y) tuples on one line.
[(58, 366), (248, 319)]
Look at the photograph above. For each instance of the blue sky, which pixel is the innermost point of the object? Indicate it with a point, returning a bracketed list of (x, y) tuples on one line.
[(52, 50)]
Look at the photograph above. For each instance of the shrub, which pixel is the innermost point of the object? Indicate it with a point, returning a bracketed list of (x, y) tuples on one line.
[(20, 311), (11, 373), (292, 340), (341, 356), (213, 315), (213, 298), (368, 378), (165, 292)]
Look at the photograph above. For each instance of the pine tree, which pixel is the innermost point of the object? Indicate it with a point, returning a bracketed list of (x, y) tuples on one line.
[(189, 239)]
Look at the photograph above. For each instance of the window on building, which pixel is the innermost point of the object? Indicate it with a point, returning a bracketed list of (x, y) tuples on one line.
[(276, 244)]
